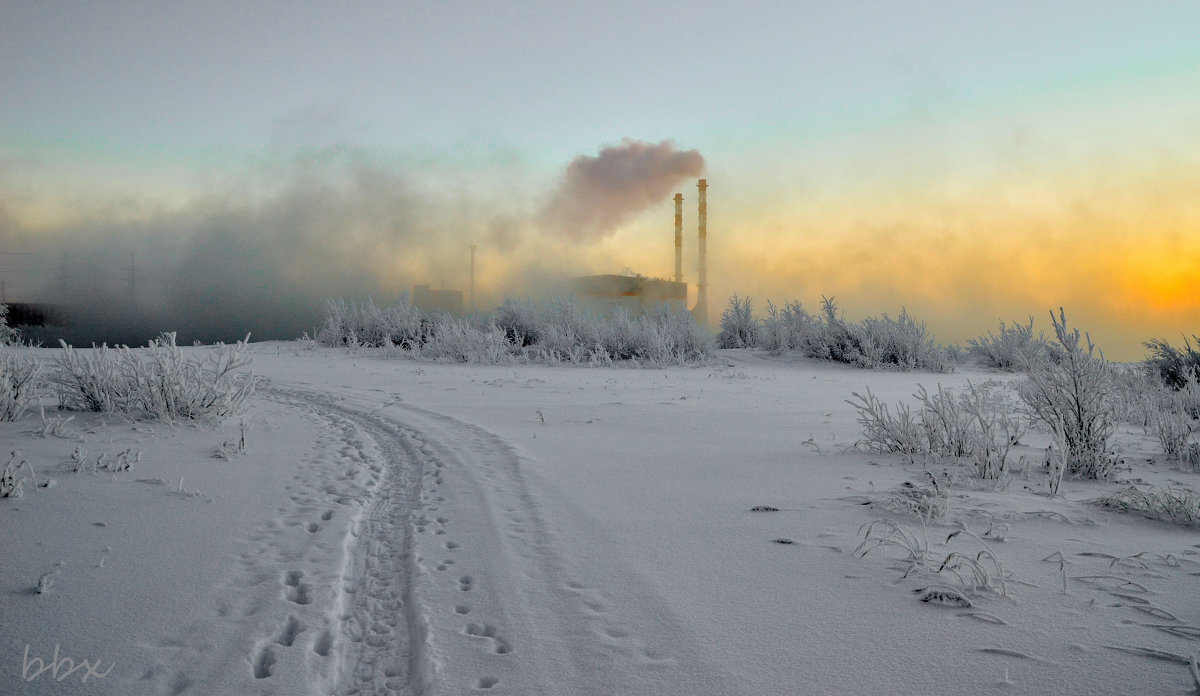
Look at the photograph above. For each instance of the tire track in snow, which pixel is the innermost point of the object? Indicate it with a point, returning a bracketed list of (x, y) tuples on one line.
[(541, 629), (455, 556)]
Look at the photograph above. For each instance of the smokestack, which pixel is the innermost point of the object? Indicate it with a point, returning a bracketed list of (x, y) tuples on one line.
[(679, 238), (700, 312)]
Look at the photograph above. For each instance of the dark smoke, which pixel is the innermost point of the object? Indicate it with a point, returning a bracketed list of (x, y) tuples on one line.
[(600, 193)]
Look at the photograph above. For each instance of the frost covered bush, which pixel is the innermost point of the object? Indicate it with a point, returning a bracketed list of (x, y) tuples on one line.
[(366, 324), (459, 340), (12, 479), (520, 322), (1169, 414), (555, 332), (1173, 365), (19, 381), (875, 342), (1005, 350), (8, 335), (157, 381), (978, 425), (785, 328), (1074, 397), (739, 328)]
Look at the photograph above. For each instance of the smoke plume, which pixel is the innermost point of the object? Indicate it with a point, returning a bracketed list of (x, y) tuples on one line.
[(598, 194)]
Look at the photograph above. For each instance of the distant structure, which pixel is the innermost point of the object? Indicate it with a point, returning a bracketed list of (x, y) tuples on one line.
[(700, 311), (23, 315), (431, 301), (679, 238), (637, 294)]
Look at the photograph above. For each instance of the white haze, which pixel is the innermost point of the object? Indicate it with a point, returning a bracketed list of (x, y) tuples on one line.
[(261, 252)]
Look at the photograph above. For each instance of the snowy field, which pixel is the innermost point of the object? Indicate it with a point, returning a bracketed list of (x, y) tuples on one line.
[(396, 527)]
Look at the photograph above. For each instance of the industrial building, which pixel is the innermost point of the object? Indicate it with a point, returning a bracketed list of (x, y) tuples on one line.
[(637, 294), (432, 301)]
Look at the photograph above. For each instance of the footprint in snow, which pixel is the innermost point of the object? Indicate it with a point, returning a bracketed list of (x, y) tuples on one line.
[(291, 628), (263, 662), (323, 645), (297, 591)]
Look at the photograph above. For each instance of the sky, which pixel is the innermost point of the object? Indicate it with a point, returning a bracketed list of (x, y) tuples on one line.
[(226, 166)]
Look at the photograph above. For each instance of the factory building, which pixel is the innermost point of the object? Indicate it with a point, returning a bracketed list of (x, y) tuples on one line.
[(601, 294), (432, 301), (638, 294)]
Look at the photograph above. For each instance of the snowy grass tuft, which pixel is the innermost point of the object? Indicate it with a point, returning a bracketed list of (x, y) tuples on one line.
[(1171, 504), (926, 503), (982, 571)]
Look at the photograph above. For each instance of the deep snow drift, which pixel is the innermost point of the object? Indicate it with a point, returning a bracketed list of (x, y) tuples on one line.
[(415, 528)]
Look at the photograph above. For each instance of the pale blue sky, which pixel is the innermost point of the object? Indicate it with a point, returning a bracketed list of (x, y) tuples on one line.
[(180, 83)]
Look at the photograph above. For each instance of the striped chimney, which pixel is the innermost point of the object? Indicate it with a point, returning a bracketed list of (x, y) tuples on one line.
[(679, 238), (701, 309)]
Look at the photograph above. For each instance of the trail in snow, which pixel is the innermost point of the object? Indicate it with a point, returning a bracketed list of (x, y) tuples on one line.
[(454, 580)]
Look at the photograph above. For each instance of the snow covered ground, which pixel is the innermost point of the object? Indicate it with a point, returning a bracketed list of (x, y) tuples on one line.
[(417, 528)]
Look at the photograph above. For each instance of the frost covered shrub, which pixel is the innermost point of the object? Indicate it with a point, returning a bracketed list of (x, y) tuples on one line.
[(208, 387), (1173, 365), (460, 340), (786, 328), (8, 335), (12, 479), (156, 381), (91, 381), (884, 432), (520, 321), (1144, 400), (977, 425), (661, 337), (348, 323), (739, 328), (558, 331), (1074, 397), (672, 337), (19, 380), (1004, 350), (875, 342)]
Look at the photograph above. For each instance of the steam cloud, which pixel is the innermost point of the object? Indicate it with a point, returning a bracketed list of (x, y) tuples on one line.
[(262, 254), (600, 193)]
